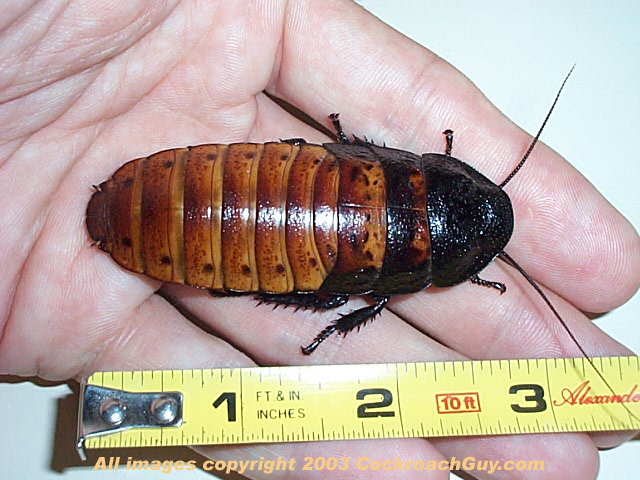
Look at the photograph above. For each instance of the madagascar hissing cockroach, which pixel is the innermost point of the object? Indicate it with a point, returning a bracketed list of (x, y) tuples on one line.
[(307, 225)]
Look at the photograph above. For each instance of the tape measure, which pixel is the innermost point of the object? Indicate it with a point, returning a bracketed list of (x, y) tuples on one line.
[(337, 402)]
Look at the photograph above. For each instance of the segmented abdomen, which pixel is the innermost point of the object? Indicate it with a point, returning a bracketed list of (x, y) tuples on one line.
[(271, 217)]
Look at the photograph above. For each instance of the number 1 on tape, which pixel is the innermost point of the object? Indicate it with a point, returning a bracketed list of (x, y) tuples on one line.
[(334, 402)]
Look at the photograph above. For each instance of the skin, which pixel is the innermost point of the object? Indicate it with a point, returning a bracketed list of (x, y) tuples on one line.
[(85, 87)]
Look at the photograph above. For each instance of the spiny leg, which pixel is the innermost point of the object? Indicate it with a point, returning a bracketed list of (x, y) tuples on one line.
[(364, 143), (449, 137), (486, 283), (348, 322), (315, 300), (339, 132), (343, 138)]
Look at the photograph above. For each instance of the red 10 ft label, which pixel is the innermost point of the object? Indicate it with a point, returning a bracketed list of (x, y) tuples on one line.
[(458, 402)]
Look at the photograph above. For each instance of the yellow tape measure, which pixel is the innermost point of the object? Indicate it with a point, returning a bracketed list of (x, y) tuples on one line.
[(335, 402)]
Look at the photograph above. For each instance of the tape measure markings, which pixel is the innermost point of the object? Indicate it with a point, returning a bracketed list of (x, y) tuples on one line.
[(334, 402)]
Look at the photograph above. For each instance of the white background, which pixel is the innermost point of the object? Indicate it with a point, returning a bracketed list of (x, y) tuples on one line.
[(517, 53)]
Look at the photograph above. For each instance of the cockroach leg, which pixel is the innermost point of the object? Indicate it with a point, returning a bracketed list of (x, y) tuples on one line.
[(314, 300), (475, 279), (348, 322), (449, 138), (339, 132)]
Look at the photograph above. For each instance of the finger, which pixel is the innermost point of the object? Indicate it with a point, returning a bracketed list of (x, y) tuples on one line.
[(396, 457), (273, 123), (113, 330), (71, 321), (517, 324), (547, 453), (390, 88), (274, 336), (158, 337)]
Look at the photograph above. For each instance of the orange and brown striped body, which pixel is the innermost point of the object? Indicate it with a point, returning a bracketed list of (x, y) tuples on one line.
[(274, 217)]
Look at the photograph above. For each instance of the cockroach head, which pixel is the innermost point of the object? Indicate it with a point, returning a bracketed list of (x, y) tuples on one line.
[(97, 217)]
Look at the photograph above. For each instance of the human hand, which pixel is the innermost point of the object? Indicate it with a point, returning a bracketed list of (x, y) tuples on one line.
[(84, 91)]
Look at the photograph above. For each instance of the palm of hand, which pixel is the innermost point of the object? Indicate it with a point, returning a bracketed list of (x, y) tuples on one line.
[(98, 89)]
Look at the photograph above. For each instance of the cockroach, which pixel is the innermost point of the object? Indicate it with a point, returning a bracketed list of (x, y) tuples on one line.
[(308, 225)]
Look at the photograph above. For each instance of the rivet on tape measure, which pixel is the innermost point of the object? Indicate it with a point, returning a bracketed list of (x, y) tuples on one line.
[(335, 402)]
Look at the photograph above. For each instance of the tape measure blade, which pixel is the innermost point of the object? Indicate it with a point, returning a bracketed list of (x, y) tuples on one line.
[(330, 402)]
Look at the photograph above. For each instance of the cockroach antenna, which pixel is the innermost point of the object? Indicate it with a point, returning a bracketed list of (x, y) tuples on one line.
[(510, 261), (535, 140)]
